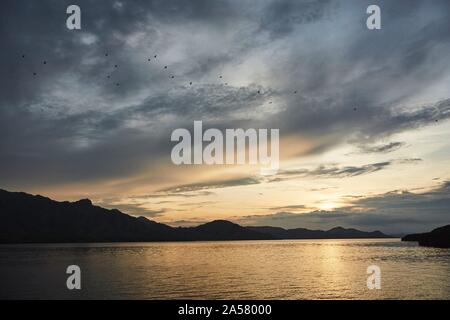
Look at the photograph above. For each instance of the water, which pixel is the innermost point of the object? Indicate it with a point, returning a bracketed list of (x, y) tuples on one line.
[(297, 269)]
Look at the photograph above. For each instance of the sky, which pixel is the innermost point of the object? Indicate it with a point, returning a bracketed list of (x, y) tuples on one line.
[(363, 114)]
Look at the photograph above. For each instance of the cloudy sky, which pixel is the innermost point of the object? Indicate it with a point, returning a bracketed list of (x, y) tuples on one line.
[(363, 115)]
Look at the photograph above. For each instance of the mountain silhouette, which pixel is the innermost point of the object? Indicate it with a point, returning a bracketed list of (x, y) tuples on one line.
[(335, 233), (439, 238), (222, 230), (26, 218)]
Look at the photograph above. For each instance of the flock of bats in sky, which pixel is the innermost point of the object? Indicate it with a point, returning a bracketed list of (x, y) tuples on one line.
[(172, 76)]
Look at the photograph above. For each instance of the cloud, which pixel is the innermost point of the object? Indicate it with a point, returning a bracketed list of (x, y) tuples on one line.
[(409, 160), (384, 148), (170, 194), (219, 184), (290, 208), (133, 209), (322, 189), (332, 171), (322, 171), (71, 125), (336, 171), (282, 17), (394, 212)]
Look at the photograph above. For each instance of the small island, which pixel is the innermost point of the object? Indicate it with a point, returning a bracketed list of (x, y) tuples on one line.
[(439, 238)]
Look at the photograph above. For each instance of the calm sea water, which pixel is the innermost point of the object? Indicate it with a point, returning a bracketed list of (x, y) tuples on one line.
[(299, 269)]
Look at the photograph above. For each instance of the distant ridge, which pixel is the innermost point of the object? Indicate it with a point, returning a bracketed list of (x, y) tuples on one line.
[(335, 233), (26, 218)]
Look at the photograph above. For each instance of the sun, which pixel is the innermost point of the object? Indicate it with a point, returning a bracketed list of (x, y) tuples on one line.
[(328, 206)]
